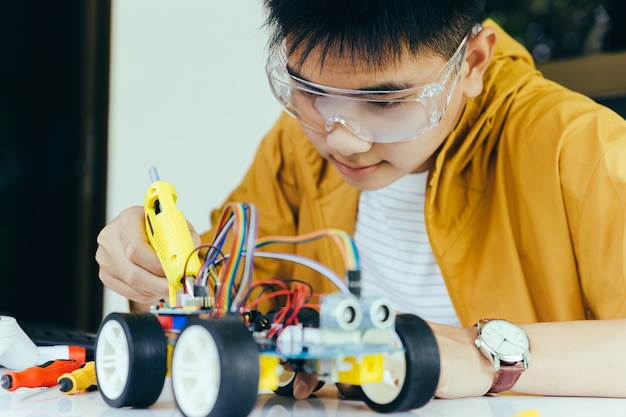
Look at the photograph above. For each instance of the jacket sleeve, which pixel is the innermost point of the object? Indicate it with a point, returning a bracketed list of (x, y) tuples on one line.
[(598, 217)]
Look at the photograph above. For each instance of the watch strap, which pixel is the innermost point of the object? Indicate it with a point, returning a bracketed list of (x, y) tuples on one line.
[(505, 378)]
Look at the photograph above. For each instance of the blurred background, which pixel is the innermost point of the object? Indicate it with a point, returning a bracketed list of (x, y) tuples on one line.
[(95, 91), (558, 29), (579, 43)]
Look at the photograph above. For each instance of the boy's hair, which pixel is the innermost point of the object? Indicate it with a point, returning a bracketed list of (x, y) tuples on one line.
[(372, 33)]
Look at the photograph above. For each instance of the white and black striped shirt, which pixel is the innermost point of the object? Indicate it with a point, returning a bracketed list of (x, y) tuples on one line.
[(396, 258)]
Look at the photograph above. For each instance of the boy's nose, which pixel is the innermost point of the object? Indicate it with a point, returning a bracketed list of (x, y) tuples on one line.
[(345, 142)]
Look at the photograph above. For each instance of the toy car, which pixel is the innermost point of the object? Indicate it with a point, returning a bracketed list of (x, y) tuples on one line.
[(220, 350)]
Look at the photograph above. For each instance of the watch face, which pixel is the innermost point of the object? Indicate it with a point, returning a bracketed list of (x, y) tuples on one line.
[(505, 339)]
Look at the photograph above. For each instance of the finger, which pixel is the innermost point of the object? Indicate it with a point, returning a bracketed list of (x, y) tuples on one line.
[(194, 235), (304, 385), (136, 280), (132, 293), (129, 279), (133, 281), (142, 254)]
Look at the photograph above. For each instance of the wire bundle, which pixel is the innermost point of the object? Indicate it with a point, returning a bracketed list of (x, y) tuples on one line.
[(231, 268)]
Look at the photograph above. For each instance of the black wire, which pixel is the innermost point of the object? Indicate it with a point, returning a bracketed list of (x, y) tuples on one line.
[(196, 250)]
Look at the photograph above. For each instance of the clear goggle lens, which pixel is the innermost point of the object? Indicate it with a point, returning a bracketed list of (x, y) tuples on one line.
[(374, 116)]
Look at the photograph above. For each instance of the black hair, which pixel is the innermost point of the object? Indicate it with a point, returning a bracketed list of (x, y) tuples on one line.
[(372, 33)]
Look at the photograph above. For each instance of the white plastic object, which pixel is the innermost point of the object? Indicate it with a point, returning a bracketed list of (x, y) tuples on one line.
[(340, 311), (17, 350), (378, 312)]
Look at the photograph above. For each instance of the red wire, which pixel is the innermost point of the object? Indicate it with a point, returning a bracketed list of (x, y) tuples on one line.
[(269, 281), (267, 297), (297, 297)]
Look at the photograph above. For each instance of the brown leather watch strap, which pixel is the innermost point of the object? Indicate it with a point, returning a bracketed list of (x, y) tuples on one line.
[(505, 378)]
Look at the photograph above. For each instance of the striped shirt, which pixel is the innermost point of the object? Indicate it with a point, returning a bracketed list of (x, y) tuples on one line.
[(396, 258)]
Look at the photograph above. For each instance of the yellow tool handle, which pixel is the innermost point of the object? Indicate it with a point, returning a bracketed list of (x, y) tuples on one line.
[(79, 380)]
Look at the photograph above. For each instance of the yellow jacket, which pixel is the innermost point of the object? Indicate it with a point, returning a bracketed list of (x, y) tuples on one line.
[(525, 206)]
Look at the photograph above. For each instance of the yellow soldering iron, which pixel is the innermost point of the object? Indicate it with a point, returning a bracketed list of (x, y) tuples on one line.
[(169, 235)]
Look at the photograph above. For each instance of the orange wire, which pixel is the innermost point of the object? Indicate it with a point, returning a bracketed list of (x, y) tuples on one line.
[(306, 236)]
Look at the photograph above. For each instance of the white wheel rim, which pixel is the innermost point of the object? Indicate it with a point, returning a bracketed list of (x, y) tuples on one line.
[(394, 375), (112, 359), (196, 372)]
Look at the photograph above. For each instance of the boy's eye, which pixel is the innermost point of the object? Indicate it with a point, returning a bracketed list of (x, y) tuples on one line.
[(386, 105), (303, 93)]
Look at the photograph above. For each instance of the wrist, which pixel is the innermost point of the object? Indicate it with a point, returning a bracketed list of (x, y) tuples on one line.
[(465, 372)]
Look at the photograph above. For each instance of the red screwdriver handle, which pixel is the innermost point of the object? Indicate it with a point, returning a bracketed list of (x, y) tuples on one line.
[(44, 375)]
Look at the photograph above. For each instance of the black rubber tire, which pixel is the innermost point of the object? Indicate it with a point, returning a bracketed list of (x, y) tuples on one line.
[(147, 359), (422, 367), (237, 372)]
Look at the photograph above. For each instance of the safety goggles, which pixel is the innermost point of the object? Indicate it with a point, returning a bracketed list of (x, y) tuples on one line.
[(374, 116)]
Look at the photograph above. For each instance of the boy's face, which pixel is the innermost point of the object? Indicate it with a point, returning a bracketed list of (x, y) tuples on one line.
[(371, 165)]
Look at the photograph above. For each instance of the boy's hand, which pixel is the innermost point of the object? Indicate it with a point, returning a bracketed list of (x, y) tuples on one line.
[(304, 385), (128, 264)]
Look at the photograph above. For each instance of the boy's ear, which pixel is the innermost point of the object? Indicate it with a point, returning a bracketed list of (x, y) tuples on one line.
[(478, 57)]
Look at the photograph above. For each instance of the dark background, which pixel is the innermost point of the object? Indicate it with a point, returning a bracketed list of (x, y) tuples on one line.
[(557, 29), (53, 121), (53, 137)]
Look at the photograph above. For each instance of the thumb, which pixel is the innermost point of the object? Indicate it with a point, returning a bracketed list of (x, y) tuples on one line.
[(194, 235)]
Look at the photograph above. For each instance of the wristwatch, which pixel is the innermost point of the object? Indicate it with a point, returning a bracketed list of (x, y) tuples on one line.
[(507, 347)]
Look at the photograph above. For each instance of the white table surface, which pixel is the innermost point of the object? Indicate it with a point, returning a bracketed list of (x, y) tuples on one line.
[(53, 403)]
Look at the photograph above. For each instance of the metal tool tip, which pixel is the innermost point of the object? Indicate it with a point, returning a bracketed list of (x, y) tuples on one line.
[(6, 381)]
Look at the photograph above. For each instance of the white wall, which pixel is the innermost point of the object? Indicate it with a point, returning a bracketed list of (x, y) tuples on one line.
[(188, 94)]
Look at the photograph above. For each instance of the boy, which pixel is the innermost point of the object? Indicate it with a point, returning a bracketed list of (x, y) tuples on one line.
[(474, 188)]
